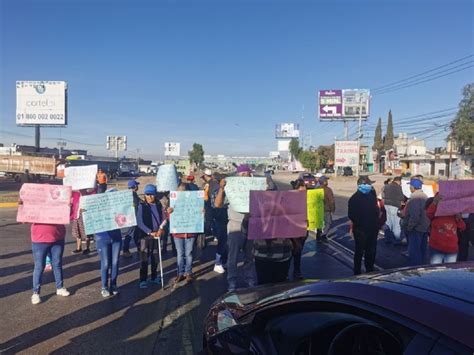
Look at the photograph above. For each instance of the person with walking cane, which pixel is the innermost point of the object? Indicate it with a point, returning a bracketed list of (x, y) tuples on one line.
[(151, 223)]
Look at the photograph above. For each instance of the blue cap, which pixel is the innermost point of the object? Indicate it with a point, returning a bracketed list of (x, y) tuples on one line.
[(323, 178), (132, 184), (149, 189), (416, 184)]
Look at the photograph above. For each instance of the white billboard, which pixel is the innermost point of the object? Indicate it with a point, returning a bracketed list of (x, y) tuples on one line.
[(355, 103), (41, 103), (347, 153), (172, 149), (287, 130), (117, 143), (284, 145)]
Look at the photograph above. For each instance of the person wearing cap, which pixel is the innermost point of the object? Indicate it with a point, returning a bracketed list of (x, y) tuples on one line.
[(416, 223), (132, 231), (364, 214), (329, 205), (191, 186), (393, 198), (237, 237), (149, 219)]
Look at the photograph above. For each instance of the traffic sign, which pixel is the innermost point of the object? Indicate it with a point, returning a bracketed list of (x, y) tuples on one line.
[(330, 104)]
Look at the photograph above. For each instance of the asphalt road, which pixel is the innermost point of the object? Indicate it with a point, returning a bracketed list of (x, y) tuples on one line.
[(142, 321)]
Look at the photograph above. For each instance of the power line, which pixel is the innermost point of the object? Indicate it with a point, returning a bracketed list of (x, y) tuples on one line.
[(423, 73), (421, 82)]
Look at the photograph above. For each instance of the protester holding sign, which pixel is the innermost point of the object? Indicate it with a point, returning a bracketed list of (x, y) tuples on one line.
[(150, 221), (77, 224), (188, 207), (132, 232), (237, 226), (443, 234), (298, 243), (101, 181)]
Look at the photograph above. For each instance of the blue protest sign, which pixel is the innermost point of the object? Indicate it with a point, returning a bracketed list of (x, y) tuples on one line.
[(188, 212), (167, 178)]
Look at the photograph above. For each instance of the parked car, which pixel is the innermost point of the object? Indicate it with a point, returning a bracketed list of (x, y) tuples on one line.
[(329, 171), (309, 180), (347, 171), (422, 310)]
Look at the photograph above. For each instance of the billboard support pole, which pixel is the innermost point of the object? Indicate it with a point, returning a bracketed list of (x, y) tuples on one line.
[(359, 138), (346, 130), (37, 138)]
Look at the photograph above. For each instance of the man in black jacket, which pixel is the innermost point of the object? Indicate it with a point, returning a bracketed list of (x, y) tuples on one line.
[(132, 232), (364, 214)]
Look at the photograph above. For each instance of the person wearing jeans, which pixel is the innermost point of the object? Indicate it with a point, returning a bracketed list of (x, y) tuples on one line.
[(184, 247), (443, 234), (416, 223), (219, 219), (47, 238), (109, 245)]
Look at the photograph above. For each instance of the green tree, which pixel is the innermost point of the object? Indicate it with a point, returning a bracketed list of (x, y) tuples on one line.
[(378, 143), (462, 127), (196, 155), (389, 140), (309, 160), (295, 148), (325, 153)]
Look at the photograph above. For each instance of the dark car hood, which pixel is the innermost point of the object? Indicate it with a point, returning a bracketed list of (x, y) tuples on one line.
[(455, 281)]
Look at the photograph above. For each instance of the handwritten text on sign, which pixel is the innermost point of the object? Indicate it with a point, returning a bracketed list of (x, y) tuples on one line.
[(188, 214), (458, 197), (237, 190), (43, 203), (80, 177), (108, 211), (277, 214)]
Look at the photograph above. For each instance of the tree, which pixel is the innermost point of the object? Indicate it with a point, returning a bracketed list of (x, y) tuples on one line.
[(309, 160), (295, 149), (463, 125), (378, 143), (326, 154), (196, 155), (389, 140)]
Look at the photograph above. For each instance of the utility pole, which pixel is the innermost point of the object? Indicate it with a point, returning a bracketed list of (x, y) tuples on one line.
[(451, 152), (346, 130), (37, 138)]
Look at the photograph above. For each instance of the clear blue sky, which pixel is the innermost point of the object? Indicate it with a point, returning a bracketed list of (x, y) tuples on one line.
[(222, 73)]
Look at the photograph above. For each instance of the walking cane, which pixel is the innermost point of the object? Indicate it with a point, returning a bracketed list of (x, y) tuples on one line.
[(163, 224)]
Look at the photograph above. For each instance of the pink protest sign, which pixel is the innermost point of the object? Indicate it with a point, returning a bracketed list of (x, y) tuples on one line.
[(457, 197), (43, 203), (277, 214)]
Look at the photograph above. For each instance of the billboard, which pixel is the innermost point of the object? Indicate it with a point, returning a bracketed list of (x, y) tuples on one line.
[(330, 104), (287, 130), (172, 149), (347, 153), (355, 103), (284, 146), (41, 103), (347, 104), (117, 143)]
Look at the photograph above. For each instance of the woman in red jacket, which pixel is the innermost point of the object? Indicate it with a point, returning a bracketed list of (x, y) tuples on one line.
[(443, 234)]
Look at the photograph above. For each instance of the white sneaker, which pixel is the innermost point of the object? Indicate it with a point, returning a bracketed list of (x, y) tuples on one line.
[(35, 298), (62, 292), (219, 269)]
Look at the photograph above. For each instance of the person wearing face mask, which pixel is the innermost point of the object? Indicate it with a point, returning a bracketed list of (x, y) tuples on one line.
[(364, 213)]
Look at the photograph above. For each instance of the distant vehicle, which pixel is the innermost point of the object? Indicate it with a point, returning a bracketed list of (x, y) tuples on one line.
[(329, 171), (347, 171), (270, 169), (152, 169), (295, 166), (38, 166), (309, 180), (421, 310)]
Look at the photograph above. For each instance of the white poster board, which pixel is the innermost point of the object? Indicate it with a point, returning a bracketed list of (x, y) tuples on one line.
[(80, 177)]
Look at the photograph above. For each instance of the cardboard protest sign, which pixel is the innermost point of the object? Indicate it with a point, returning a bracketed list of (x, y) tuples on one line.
[(427, 189), (277, 214), (315, 209), (44, 203), (108, 211), (188, 212), (167, 178), (80, 177), (237, 190), (457, 197)]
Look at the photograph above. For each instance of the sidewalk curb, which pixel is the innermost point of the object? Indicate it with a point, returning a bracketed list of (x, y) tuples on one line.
[(8, 204)]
